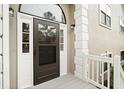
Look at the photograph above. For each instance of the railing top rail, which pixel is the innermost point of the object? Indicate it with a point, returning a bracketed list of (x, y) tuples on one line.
[(99, 58)]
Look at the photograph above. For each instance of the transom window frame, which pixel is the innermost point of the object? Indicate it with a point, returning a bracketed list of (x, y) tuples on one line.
[(106, 15), (43, 17)]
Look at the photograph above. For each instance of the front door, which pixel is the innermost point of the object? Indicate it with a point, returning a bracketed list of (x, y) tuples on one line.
[(46, 50)]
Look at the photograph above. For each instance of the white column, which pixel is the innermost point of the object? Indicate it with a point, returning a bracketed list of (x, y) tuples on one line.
[(81, 39)]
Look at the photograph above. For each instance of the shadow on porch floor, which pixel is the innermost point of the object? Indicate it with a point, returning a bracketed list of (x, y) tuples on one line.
[(68, 81)]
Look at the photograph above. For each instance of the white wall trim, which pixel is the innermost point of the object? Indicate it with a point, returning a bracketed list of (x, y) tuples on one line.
[(63, 53), (6, 48), (1, 47)]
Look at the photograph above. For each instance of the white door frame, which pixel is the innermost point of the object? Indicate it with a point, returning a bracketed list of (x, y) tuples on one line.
[(24, 60), (5, 47), (1, 47), (63, 53), (21, 56)]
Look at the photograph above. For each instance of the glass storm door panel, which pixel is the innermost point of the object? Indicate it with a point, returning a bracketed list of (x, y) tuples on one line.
[(46, 50)]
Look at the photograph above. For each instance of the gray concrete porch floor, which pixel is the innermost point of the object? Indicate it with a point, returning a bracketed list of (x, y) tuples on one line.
[(68, 81)]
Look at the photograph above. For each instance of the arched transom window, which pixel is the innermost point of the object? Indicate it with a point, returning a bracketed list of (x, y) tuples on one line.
[(47, 11)]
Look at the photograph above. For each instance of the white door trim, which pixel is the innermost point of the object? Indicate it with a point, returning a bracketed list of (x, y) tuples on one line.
[(1, 47), (63, 53), (6, 48), (24, 60)]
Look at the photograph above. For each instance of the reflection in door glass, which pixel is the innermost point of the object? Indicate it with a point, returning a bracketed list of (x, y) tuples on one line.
[(47, 34)]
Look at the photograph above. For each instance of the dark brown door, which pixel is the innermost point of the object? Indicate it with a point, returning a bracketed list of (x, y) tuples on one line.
[(46, 50)]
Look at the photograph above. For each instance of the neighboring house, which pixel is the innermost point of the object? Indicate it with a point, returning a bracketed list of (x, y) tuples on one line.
[(42, 42)]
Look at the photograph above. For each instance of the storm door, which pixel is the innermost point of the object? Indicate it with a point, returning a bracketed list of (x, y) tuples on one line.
[(46, 50)]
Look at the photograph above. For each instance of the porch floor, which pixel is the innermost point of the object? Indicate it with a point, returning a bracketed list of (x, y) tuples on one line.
[(68, 81)]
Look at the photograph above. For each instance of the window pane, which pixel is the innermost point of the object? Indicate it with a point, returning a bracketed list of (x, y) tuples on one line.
[(61, 47), (25, 48), (25, 37), (103, 19), (48, 11), (61, 32), (108, 21), (122, 29), (25, 27), (61, 40), (47, 34)]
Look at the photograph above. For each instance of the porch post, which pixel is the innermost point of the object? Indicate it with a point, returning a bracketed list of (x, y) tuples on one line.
[(81, 39)]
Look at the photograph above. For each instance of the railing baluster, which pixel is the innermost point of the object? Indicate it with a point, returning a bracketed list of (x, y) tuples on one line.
[(89, 68), (108, 75), (97, 72), (93, 69), (102, 75)]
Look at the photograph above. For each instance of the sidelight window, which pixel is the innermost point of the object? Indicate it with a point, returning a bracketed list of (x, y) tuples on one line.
[(61, 39), (25, 37)]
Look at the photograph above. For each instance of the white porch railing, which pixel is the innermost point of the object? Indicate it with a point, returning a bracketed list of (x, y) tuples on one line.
[(104, 72)]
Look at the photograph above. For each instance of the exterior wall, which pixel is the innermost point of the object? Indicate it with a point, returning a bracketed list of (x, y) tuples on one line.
[(69, 10), (72, 39), (13, 48), (81, 39), (102, 39), (13, 42)]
